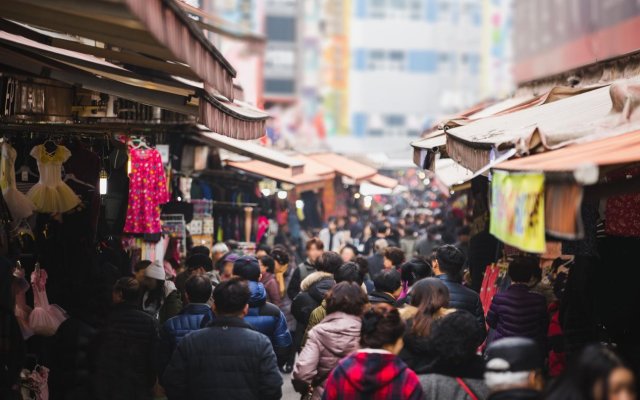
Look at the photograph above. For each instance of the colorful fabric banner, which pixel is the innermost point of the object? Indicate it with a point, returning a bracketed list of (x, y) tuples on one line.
[(517, 210)]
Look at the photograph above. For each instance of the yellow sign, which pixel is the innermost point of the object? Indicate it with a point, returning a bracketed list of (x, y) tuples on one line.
[(517, 210)]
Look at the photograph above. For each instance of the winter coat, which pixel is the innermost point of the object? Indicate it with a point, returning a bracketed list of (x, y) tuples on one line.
[(376, 265), (169, 306), (338, 240), (337, 336), (272, 289), (126, 367), (299, 274), (227, 360), (317, 315), (463, 298), (516, 394), (314, 288), (408, 246), (381, 297), (555, 340), (175, 329), (518, 312), (436, 386), (267, 319), (373, 375)]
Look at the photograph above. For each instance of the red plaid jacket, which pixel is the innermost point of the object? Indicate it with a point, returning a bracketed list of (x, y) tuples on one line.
[(372, 375)]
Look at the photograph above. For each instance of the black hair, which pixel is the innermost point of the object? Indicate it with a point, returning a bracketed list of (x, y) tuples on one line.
[(349, 272), (381, 326), (592, 366), (451, 261), (522, 269), (198, 289), (409, 231), (231, 296), (269, 263), (347, 297), (129, 289), (464, 231), (394, 254), (363, 263), (387, 280), (329, 262), (197, 261), (352, 247), (264, 248), (416, 269), (202, 250), (280, 256), (141, 265), (381, 228), (453, 340), (247, 268)]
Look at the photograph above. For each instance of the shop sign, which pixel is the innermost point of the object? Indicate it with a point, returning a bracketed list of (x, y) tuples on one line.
[(517, 210)]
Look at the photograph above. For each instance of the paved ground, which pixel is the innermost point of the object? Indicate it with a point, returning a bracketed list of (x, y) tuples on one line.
[(287, 390)]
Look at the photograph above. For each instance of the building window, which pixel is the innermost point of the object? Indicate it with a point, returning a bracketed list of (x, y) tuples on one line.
[(376, 60), (395, 120), (391, 9), (396, 60), (423, 61), (281, 29), (359, 124), (279, 86)]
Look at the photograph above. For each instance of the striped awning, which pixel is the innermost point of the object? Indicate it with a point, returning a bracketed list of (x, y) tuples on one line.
[(152, 38)]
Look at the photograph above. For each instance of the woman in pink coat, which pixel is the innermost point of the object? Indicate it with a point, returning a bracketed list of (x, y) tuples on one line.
[(337, 336)]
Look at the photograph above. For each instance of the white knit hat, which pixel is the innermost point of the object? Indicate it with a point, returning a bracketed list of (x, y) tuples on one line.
[(155, 271)]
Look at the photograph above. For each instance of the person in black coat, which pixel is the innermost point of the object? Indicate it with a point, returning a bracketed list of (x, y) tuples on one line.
[(388, 286), (447, 266), (126, 365), (226, 360)]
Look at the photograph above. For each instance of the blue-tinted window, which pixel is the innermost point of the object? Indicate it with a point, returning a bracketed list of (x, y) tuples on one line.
[(359, 59), (359, 124), (361, 8), (281, 29), (431, 10), (395, 120), (423, 61), (279, 86)]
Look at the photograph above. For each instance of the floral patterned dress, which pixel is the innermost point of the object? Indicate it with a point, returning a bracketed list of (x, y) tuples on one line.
[(147, 191)]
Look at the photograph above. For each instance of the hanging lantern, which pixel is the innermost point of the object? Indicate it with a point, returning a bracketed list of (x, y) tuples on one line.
[(103, 181)]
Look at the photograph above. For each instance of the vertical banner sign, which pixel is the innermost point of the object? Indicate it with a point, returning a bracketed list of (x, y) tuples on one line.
[(517, 210)]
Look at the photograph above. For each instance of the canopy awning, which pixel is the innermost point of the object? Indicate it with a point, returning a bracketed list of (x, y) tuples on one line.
[(303, 181), (251, 150), (369, 189), (383, 181), (601, 112), (153, 38), (344, 166), (451, 174)]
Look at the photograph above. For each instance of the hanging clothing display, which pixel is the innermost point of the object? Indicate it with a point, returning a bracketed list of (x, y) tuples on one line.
[(51, 194), (45, 318), (19, 205), (147, 191)]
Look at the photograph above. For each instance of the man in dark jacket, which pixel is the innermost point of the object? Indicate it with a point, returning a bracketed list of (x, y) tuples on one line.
[(514, 370), (228, 359), (263, 316), (388, 287), (198, 293), (447, 266), (315, 248), (376, 261), (126, 367)]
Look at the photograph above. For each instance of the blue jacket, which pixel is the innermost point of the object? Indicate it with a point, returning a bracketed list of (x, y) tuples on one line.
[(175, 329), (267, 319)]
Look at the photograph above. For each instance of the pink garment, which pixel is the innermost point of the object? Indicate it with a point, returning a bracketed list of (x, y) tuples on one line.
[(263, 227), (45, 318), (147, 191), (22, 311)]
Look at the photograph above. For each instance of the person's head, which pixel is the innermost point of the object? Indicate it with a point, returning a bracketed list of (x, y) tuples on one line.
[(231, 298), (346, 297), (263, 250), (409, 232), (349, 253), (248, 268), (382, 230), (138, 270), (380, 246), (281, 259), (449, 260), (388, 281), (198, 264), (382, 328), (349, 272), (429, 296), (154, 277), (198, 289), (329, 262), (414, 270), (596, 374), (332, 224), (126, 290), (218, 251), (225, 264), (267, 264), (314, 247), (521, 269), (513, 363), (353, 219), (464, 234), (363, 263), (454, 339), (393, 257), (202, 250)]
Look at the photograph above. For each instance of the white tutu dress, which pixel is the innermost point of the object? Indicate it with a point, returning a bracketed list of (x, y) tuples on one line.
[(51, 194), (20, 206)]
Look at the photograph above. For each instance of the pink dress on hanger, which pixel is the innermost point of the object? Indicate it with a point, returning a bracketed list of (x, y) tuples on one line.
[(147, 191), (45, 318)]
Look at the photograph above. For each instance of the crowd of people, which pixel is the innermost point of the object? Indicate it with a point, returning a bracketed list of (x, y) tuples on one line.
[(376, 311)]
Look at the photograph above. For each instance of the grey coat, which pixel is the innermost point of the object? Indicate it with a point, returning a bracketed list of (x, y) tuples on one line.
[(437, 386)]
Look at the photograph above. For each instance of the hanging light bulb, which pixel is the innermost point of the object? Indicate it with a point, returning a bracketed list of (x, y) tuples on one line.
[(282, 195), (103, 181)]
